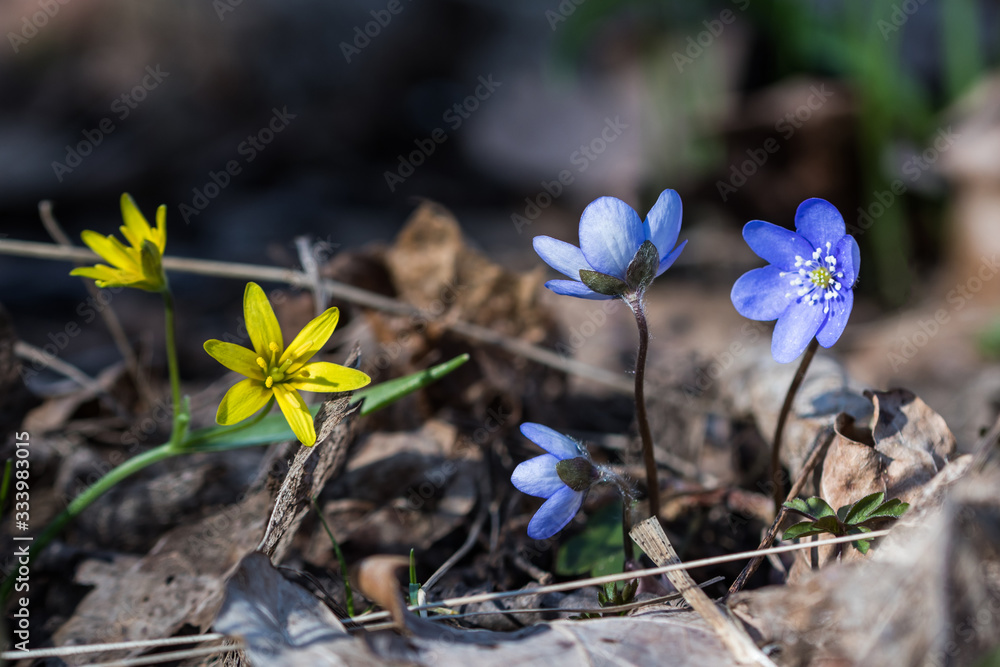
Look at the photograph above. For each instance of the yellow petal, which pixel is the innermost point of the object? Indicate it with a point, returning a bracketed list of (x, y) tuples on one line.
[(297, 413), (159, 235), (311, 339), (136, 228), (324, 376), (99, 272), (110, 249), (261, 323), (242, 400), (235, 358)]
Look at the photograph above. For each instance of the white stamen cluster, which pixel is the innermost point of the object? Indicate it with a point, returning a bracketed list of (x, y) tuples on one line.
[(816, 279)]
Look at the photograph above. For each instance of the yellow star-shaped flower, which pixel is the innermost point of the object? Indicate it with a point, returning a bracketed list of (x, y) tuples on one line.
[(137, 265), (275, 370)]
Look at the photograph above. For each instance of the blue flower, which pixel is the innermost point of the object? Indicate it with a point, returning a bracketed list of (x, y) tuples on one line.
[(562, 476), (808, 285), (610, 236)]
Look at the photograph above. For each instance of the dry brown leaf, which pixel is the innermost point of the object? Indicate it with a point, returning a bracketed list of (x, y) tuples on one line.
[(403, 490), (928, 596), (908, 447), (181, 580)]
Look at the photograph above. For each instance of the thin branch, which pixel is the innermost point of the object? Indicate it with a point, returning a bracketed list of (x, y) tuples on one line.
[(624, 576), (170, 656), (650, 536), (307, 257), (60, 651), (344, 292)]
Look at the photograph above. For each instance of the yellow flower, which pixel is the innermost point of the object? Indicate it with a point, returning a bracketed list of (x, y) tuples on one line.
[(275, 370), (137, 265)]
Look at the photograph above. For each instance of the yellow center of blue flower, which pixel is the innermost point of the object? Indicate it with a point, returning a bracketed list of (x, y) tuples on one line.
[(273, 372), (821, 277), (816, 279)]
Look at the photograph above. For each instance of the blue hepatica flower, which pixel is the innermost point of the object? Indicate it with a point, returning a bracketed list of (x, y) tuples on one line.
[(562, 476), (611, 235), (808, 286)]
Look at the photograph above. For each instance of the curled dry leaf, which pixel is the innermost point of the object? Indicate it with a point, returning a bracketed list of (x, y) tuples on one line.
[(909, 445)]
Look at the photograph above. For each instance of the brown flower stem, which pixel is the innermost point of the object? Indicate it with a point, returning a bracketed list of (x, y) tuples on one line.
[(626, 529), (636, 303), (793, 389)]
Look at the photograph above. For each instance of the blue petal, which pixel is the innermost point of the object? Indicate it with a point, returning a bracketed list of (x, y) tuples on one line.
[(538, 476), (795, 328), (610, 234), (762, 294), (836, 321), (848, 257), (554, 442), (663, 223), (820, 222), (555, 513), (669, 260), (573, 288), (564, 257), (776, 245)]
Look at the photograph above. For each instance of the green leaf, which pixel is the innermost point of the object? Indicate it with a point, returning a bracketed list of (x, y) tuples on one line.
[(894, 508), (814, 508), (863, 509), (829, 524), (799, 530), (274, 427), (642, 269), (602, 283), (860, 545), (598, 549), (386, 393)]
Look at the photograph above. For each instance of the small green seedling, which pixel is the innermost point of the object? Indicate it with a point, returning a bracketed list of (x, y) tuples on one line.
[(861, 517)]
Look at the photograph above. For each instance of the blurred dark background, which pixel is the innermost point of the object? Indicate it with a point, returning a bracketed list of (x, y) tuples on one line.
[(255, 122)]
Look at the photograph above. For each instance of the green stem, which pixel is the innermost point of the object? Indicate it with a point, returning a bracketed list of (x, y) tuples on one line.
[(348, 594), (88, 496), (179, 429), (635, 302), (793, 389), (201, 435)]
